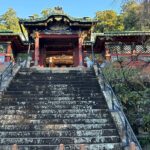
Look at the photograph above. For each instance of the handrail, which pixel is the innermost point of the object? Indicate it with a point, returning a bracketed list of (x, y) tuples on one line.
[(116, 106), (7, 72)]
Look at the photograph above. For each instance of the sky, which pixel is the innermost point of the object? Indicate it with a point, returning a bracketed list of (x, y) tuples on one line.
[(74, 8)]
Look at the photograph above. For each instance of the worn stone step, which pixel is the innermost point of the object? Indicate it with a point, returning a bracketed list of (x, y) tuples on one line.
[(14, 85), (48, 91), (7, 98), (20, 119), (52, 106), (54, 87), (57, 102), (68, 88), (59, 140), (59, 133), (26, 101), (55, 116), (55, 77), (57, 94), (39, 127), (6, 101), (47, 106), (55, 74), (75, 83), (56, 84), (55, 111)]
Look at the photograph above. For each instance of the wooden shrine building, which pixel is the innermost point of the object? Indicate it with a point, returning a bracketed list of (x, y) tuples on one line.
[(11, 45), (58, 38)]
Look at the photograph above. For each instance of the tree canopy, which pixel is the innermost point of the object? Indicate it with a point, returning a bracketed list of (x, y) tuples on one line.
[(108, 21), (9, 21), (134, 16), (131, 14)]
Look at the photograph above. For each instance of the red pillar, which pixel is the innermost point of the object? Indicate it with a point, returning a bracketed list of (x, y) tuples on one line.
[(36, 52), (8, 53), (75, 57), (80, 57)]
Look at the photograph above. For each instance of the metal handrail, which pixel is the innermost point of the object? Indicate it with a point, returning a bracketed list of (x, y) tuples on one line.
[(116, 106)]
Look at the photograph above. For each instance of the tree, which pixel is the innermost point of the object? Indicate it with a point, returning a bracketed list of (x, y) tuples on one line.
[(46, 12), (2, 26), (9, 21), (131, 12), (136, 14), (108, 21), (35, 16), (145, 14)]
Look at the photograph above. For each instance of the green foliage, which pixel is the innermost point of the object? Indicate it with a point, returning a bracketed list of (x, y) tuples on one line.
[(48, 11), (9, 21), (22, 56), (131, 13), (2, 27), (45, 12), (144, 140), (133, 93), (35, 16), (108, 21)]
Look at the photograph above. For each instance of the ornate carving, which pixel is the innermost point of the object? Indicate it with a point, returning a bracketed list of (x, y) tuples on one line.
[(58, 10), (59, 26)]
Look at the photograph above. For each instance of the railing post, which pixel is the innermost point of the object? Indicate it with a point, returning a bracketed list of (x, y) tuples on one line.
[(61, 147), (11, 69), (82, 147), (14, 147), (132, 146), (1, 80)]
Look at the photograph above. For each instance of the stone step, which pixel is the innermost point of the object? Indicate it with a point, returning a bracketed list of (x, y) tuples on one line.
[(100, 146), (59, 133), (49, 91), (39, 127), (35, 107), (53, 86), (55, 116), (39, 82), (57, 102), (52, 77), (58, 94), (55, 111), (59, 140), (7, 98), (54, 74), (23, 119), (76, 100), (66, 106), (68, 88)]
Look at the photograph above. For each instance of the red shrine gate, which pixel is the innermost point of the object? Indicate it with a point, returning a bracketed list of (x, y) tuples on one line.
[(56, 50)]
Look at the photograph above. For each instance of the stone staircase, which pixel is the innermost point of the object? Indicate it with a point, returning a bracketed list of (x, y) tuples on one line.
[(41, 110)]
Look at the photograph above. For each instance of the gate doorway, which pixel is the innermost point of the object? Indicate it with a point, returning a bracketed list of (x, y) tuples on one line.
[(59, 61)]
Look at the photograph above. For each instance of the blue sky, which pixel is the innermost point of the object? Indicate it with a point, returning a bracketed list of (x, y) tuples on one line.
[(75, 8)]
